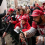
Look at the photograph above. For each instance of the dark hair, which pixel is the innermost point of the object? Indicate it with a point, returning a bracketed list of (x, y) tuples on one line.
[(36, 8), (17, 11), (23, 10), (35, 1), (20, 5)]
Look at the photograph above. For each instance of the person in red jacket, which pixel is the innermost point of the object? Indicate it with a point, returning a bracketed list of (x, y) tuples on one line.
[(23, 24), (22, 12), (37, 24), (27, 14), (17, 17), (37, 5), (43, 7)]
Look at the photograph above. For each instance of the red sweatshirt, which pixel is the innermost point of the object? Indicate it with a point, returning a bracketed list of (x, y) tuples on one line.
[(43, 8), (27, 15), (25, 26), (18, 19)]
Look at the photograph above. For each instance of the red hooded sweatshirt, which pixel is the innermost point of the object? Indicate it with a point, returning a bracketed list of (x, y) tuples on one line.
[(25, 26)]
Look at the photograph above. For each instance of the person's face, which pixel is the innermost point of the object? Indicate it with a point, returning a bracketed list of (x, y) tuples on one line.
[(20, 7), (36, 5), (23, 22), (10, 12), (27, 7), (27, 11), (17, 13), (37, 19), (21, 12), (31, 7)]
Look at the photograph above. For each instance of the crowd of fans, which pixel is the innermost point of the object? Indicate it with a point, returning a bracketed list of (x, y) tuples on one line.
[(20, 18)]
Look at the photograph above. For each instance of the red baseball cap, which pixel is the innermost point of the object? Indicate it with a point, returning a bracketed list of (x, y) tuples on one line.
[(37, 13), (11, 9), (24, 18)]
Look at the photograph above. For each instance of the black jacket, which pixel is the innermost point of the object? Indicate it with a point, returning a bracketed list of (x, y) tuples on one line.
[(2, 15), (1, 26), (10, 25)]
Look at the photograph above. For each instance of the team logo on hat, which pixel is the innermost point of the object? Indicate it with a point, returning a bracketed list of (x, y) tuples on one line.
[(34, 12)]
